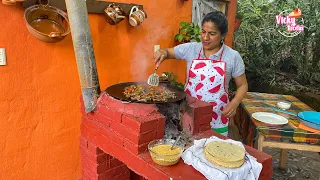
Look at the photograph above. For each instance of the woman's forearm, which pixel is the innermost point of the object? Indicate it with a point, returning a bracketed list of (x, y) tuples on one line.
[(240, 94), (170, 53)]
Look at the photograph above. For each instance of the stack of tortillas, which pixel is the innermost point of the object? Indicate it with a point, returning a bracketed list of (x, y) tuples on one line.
[(224, 154)]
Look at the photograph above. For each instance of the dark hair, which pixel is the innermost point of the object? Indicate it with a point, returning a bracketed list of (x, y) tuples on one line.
[(219, 19)]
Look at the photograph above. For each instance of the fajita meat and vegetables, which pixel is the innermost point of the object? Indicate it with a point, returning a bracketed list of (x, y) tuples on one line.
[(145, 93)]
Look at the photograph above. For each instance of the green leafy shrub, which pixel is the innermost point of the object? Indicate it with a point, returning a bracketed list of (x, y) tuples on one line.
[(188, 32)]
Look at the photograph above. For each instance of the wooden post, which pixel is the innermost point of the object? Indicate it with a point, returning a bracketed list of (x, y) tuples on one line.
[(260, 142), (283, 158)]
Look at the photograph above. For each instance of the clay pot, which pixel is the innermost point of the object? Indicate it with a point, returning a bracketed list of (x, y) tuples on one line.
[(11, 2), (114, 14), (47, 23)]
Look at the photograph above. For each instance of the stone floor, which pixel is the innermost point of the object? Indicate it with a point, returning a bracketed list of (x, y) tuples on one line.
[(300, 165)]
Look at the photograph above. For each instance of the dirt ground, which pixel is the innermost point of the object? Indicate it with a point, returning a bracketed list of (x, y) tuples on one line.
[(300, 165)]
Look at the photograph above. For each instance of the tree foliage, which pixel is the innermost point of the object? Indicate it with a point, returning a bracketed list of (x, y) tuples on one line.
[(267, 53)]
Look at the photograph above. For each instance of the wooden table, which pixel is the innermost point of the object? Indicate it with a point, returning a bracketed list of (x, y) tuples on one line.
[(285, 137)]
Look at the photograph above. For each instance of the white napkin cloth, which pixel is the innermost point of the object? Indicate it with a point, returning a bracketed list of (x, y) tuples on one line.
[(194, 156)]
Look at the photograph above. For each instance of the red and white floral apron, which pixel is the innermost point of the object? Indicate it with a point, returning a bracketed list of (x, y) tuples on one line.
[(206, 82)]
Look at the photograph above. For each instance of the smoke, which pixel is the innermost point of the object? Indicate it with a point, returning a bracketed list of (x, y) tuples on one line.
[(142, 64), (141, 61)]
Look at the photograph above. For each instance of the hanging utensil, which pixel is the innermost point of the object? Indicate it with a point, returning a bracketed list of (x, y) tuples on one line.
[(153, 79), (175, 142)]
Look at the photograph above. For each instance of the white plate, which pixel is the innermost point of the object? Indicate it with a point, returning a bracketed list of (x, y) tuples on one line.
[(270, 118)]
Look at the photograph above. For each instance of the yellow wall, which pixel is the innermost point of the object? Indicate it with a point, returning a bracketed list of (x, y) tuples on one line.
[(40, 89)]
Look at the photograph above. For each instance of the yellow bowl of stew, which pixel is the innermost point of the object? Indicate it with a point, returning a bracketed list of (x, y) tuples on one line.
[(161, 153)]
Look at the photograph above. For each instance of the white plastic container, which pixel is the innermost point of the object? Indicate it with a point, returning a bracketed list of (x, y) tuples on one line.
[(284, 105)]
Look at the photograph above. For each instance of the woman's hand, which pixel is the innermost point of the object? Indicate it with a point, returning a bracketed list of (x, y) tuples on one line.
[(230, 110), (159, 56), (242, 88)]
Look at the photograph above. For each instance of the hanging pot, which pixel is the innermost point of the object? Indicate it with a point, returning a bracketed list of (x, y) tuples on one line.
[(11, 2), (47, 23), (114, 14)]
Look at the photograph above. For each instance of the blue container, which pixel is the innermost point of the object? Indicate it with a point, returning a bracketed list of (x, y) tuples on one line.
[(311, 119)]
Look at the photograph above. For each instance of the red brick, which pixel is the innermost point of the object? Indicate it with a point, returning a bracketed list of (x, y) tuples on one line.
[(117, 116), (125, 132), (103, 120), (122, 176), (140, 110), (136, 162), (88, 175), (93, 166), (203, 119), (100, 159), (114, 162), (134, 176), (187, 123), (111, 103), (89, 129), (101, 99), (108, 135), (90, 115), (195, 106), (113, 172), (131, 122), (85, 175), (134, 148), (90, 146), (207, 109), (204, 127), (139, 125), (160, 128), (110, 113), (147, 137)]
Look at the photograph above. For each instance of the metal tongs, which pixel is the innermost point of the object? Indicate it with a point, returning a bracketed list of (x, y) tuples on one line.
[(153, 79)]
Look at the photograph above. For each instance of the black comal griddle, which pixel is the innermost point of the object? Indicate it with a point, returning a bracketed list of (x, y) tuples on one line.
[(117, 90)]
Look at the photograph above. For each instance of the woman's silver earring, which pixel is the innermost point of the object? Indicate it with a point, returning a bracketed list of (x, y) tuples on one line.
[(221, 41)]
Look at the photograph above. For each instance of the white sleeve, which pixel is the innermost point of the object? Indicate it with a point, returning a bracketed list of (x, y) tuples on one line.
[(238, 66)]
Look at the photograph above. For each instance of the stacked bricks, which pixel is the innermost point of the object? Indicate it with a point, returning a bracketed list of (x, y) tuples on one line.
[(114, 140), (196, 115), (128, 125), (97, 165)]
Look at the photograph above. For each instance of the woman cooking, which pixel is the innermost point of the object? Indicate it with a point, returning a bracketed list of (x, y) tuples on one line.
[(210, 65)]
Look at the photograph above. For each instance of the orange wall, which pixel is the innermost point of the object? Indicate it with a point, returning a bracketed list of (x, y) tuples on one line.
[(40, 89)]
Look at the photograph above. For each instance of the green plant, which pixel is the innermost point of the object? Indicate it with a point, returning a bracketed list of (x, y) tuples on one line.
[(188, 32), (172, 80)]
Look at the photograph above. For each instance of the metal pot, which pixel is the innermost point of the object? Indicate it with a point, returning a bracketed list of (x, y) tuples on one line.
[(47, 23), (114, 14)]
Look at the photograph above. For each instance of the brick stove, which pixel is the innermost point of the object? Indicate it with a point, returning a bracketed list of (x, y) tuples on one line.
[(114, 140)]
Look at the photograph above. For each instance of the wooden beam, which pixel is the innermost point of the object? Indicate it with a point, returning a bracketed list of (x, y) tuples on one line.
[(231, 11), (93, 6), (297, 146)]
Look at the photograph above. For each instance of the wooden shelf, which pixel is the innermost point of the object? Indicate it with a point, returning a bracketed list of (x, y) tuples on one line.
[(93, 6)]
